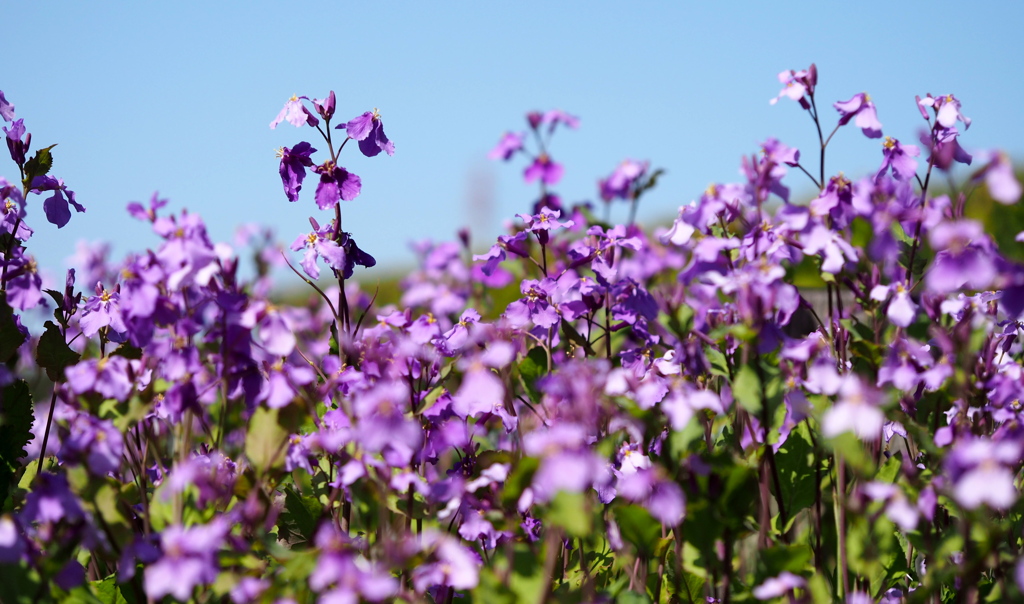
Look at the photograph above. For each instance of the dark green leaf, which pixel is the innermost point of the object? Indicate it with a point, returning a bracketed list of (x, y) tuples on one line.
[(11, 338), (38, 165), (15, 431), (128, 351), (637, 526), (795, 462), (297, 522), (54, 354)]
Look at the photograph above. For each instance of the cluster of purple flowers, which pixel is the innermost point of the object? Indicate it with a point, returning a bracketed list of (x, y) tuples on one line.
[(581, 411)]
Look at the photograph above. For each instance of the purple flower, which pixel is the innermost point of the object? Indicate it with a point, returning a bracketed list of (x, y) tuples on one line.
[(189, 559), (294, 162), (107, 376), (902, 309), (899, 158), (982, 474), (155, 203), (837, 250), (780, 153), (368, 129), (947, 110), (509, 144), (15, 144), (999, 178), (619, 185), (776, 587), (861, 108), (544, 168), (96, 441), (535, 305), (56, 207), (319, 243), (965, 257), (335, 183), (449, 564), (553, 118), (856, 410), (6, 109), (325, 107), (12, 543), (797, 85), (295, 113), (102, 310), (546, 220)]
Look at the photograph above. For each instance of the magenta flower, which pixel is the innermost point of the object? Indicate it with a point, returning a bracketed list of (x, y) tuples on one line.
[(899, 158), (509, 145), (294, 162), (295, 113), (544, 168), (861, 108)]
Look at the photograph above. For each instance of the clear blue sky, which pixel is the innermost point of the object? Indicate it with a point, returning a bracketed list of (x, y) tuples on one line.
[(176, 97)]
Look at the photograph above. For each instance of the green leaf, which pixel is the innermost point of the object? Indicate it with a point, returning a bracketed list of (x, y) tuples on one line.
[(719, 365), (58, 298), (532, 367), (746, 388), (19, 584), (128, 351), (795, 462), (11, 338), (15, 431), (519, 479), (890, 469), (266, 440), (491, 589), (852, 450), (53, 353), (107, 591), (38, 165), (571, 512), (301, 514), (637, 526), (793, 558), (632, 597)]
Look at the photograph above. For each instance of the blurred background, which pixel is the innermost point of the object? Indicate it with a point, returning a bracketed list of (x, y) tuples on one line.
[(177, 98)]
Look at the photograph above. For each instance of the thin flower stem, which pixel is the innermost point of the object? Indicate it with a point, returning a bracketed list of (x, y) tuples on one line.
[(46, 433), (813, 179)]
